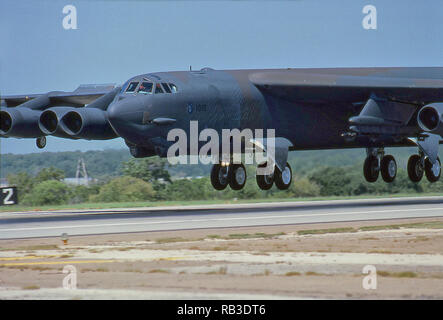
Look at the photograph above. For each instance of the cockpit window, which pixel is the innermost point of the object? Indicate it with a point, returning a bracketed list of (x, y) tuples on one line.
[(124, 86), (158, 88), (173, 87), (166, 87), (132, 86), (146, 87)]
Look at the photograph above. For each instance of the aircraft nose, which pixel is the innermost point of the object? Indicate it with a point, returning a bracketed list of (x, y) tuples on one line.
[(115, 111), (126, 111), (116, 116), (126, 118)]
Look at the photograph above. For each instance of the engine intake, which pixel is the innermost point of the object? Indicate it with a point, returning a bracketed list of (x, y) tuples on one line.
[(50, 119), (430, 118), (20, 122), (87, 123)]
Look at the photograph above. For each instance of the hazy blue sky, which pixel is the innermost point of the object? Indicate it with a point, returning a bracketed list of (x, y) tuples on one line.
[(118, 39)]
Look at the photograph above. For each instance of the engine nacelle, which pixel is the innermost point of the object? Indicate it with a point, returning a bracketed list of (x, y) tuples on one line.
[(20, 122), (49, 121), (430, 118), (87, 123)]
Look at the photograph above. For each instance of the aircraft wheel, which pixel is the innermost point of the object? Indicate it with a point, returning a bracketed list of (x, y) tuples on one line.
[(415, 169), (266, 181), (433, 171), (237, 176), (388, 168), (283, 179), (371, 169), (219, 176), (40, 142)]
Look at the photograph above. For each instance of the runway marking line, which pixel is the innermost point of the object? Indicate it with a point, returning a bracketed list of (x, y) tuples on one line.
[(294, 215), (171, 258)]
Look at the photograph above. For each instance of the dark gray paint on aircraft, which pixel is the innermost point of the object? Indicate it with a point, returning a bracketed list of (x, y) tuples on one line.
[(325, 108)]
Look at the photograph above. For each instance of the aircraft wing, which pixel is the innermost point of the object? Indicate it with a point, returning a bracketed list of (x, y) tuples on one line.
[(389, 98), (84, 94), (303, 86)]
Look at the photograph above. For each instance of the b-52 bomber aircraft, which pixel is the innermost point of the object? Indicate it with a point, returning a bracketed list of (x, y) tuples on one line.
[(309, 109)]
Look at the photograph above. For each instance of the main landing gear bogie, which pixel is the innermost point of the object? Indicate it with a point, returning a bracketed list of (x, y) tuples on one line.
[(282, 179), (374, 165), (419, 165), (224, 174), (234, 175), (377, 163)]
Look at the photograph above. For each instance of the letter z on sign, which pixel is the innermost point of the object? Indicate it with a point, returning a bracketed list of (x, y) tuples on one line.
[(8, 196)]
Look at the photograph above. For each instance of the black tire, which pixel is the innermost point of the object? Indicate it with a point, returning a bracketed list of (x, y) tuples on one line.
[(370, 169), (415, 170), (40, 142), (219, 178), (431, 175), (237, 176), (388, 168), (264, 182), (283, 179)]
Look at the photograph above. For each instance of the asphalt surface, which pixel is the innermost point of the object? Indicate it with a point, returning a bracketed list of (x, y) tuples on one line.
[(20, 225)]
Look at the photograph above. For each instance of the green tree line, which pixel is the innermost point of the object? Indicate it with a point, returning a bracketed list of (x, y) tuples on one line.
[(150, 180), (105, 164)]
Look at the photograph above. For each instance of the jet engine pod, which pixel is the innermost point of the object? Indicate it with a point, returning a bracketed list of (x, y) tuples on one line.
[(430, 118), (20, 122), (87, 123), (50, 119)]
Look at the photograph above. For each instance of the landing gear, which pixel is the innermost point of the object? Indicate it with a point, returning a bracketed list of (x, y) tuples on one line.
[(433, 171), (415, 168), (282, 179), (265, 181), (371, 169), (40, 142), (219, 176), (237, 176), (418, 165), (388, 168), (224, 174), (427, 160), (376, 162)]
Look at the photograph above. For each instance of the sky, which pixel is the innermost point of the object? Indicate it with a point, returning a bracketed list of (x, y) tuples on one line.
[(116, 40)]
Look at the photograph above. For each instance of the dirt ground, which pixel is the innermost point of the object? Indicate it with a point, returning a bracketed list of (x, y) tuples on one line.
[(276, 262)]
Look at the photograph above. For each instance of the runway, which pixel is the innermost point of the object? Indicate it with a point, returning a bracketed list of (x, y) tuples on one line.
[(21, 225)]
